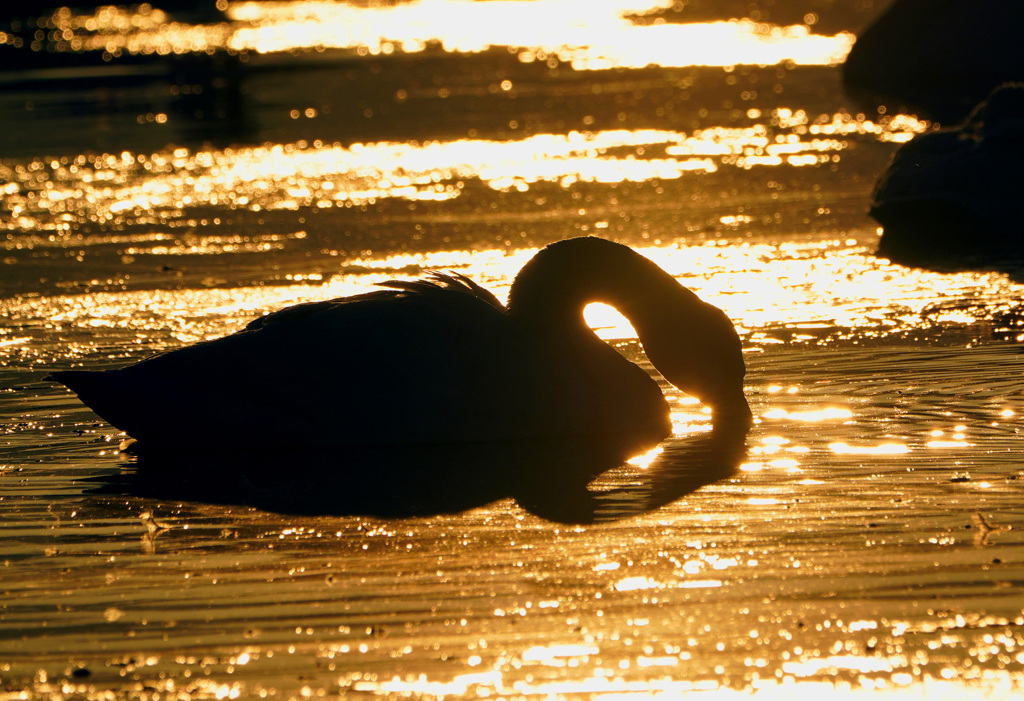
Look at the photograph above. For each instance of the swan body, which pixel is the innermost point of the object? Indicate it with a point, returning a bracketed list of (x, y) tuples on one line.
[(439, 360)]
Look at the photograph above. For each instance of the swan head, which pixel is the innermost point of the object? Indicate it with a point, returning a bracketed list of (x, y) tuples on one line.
[(694, 345)]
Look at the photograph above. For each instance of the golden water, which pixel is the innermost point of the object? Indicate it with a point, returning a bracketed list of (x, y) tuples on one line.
[(869, 544)]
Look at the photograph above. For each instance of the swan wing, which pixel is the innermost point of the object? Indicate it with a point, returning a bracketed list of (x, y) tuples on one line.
[(438, 287), (434, 363)]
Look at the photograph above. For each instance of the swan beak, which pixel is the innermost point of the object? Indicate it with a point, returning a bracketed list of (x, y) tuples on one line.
[(732, 416)]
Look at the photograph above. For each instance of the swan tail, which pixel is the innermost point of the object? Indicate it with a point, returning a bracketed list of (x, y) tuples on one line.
[(81, 382), (103, 392)]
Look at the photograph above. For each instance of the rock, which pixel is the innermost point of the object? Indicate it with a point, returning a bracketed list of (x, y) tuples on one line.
[(937, 58), (954, 198)]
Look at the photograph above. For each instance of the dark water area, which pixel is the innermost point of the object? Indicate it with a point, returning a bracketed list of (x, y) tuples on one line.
[(865, 539)]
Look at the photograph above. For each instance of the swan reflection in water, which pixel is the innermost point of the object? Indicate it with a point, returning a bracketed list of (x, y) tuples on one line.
[(429, 371), (548, 478)]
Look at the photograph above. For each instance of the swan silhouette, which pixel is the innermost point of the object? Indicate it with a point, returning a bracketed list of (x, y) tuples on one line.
[(439, 361)]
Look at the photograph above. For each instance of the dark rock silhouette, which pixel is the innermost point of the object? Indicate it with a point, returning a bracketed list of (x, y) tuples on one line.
[(937, 58), (954, 198)]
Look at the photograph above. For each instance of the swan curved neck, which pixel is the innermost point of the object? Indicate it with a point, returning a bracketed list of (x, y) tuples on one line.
[(693, 344), (555, 286)]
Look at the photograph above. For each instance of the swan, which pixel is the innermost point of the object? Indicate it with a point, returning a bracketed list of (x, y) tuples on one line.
[(439, 361)]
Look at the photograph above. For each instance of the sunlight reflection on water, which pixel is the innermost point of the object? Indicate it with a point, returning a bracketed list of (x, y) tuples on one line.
[(612, 684), (787, 583), (591, 35), (58, 194), (836, 289)]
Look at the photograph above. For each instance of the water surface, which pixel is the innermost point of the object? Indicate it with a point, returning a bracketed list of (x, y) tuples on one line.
[(868, 543)]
